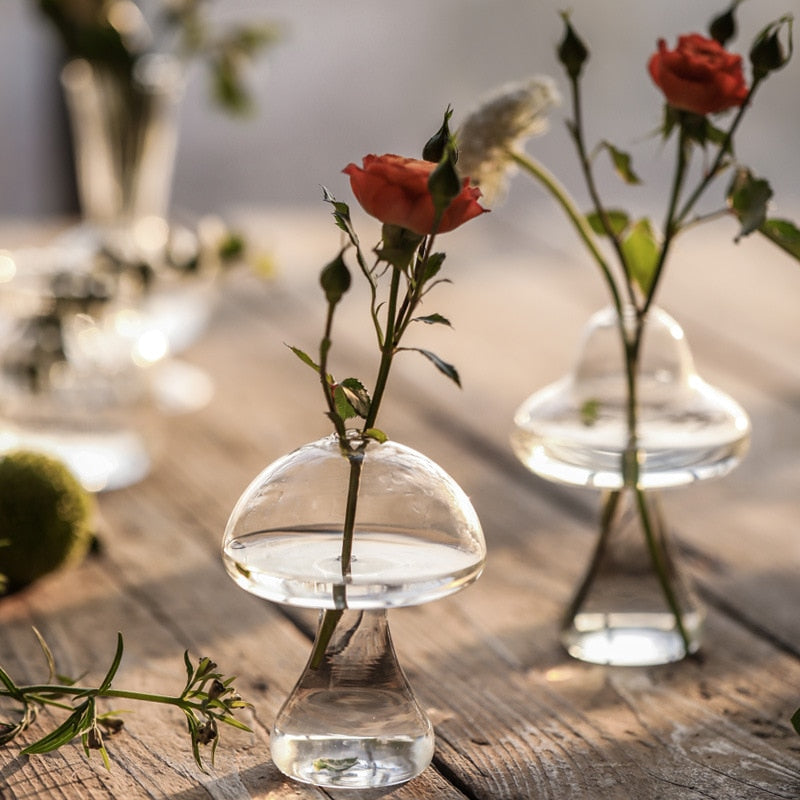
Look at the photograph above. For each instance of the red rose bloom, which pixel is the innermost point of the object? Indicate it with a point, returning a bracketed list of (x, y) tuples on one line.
[(395, 190), (699, 75)]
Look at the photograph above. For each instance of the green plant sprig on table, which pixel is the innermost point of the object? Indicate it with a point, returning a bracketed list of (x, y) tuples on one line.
[(416, 200), (207, 699)]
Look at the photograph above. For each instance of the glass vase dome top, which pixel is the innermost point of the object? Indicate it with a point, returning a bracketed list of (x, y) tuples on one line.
[(416, 538), (576, 431)]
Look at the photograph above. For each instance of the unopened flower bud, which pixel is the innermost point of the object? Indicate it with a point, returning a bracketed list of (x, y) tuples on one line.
[(216, 689), (444, 183), (207, 732), (767, 54), (94, 739), (723, 28), (335, 279), (572, 52), (436, 146)]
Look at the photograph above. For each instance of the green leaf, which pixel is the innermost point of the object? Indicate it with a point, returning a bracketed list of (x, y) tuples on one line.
[(617, 219), (71, 727), (48, 653), (433, 319), (748, 198), (189, 668), (432, 266), (446, 369), (304, 357), (334, 764), (796, 720), (590, 410), (641, 251), (356, 395), (622, 163), (783, 233), (112, 670), (376, 434)]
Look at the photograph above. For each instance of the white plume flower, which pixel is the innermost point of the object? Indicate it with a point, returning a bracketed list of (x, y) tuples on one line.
[(500, 125)]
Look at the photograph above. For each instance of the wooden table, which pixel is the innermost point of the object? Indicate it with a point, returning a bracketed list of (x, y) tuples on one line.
[(515, 718)]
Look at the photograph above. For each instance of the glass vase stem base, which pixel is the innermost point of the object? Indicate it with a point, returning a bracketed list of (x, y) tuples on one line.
[(634, 606), (352, 721), (627, 640)]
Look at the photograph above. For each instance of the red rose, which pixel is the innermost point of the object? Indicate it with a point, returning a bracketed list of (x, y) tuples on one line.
[(699, 75), (395, 190)]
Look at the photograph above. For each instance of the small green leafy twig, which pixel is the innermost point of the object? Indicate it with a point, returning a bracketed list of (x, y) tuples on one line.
[(207, 699)]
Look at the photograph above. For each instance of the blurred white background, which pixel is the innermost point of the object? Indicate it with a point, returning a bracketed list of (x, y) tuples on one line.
[(374, 76)]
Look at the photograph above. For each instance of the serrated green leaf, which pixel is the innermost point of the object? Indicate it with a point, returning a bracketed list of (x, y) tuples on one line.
[(357, 395), (344, 408), (783, 233), (433, 319), (617, 219), (304, 357), (641, 250), (622, 163)]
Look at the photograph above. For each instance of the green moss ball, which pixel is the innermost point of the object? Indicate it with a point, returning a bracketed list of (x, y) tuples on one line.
[(45, 517)]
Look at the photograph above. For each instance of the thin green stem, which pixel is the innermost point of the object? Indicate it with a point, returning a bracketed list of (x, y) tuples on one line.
[(330, 617), (671, 223), (387, 351), (586, 168), (578, 220), (609, 510), (41, 692), (661, 568)]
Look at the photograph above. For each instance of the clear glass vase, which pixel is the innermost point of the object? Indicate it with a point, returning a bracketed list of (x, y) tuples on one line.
[(633, 606), (352, 721), (68, 384), (125, 133)]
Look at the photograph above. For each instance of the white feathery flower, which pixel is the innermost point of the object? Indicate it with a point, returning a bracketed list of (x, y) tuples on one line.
[(499, 125)]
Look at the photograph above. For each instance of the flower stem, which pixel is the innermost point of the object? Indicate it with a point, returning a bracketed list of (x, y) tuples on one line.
[(662, 571), (330, 617), (578, 220)]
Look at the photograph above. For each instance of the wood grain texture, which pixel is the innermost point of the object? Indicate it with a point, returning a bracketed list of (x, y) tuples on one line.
[(515, 718)]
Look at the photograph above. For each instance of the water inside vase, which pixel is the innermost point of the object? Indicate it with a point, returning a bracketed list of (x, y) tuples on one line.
[(300, 567), (390, 746)]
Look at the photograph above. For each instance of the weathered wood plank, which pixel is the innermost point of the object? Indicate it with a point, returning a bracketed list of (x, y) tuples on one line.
[(514, 717)]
